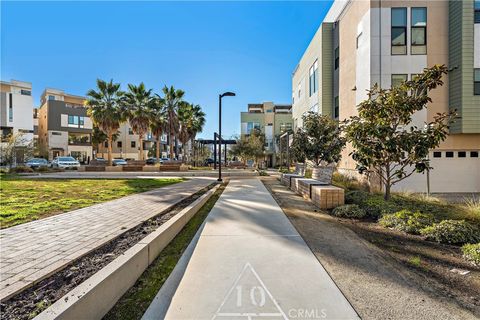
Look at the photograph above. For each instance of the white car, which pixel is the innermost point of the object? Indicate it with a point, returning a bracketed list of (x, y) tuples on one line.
[(65, 162)]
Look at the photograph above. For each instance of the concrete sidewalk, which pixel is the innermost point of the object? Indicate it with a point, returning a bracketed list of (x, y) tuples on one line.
[(248, 262), (34, 250)]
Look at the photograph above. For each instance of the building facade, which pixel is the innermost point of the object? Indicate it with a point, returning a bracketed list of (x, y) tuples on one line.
[(16, 107), (361, 43), (272, 120), (126, 145), (64, 129)]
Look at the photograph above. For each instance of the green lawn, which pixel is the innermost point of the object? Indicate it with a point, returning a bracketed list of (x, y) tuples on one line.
[(24, 200)]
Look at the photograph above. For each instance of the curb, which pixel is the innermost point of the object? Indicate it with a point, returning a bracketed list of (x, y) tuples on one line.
[(93, 298)]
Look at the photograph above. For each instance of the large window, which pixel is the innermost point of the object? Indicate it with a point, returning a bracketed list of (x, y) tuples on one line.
[(419, 31), (476, 82), (252, 125), (51, 97), (10, 108), (313, 78), (285, 127), (76, 121), (25, 92), (337, 57), (477, 11), (398, 79), (399, 31)]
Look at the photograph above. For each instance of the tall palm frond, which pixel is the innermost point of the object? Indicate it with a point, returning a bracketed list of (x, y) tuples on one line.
[(103, 107), (172, 99)]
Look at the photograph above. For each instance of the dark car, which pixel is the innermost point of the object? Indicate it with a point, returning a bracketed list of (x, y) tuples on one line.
[(36, 163), (153, 161)]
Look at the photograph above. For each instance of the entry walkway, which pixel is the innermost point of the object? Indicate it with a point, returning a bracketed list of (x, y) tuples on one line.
[(249, 262), (34, 250)]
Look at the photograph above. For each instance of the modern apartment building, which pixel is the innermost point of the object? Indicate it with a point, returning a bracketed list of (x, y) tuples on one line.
[(360, 43), (63, 126), (16, 107), (272, 119), (126, 145)]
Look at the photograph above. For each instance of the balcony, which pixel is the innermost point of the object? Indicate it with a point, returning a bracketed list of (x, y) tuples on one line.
[(79, 139)]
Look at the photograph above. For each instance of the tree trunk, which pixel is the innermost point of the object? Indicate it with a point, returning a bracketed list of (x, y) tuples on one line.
[(110, 141), (140, 150), (157, 153), (387, 182)]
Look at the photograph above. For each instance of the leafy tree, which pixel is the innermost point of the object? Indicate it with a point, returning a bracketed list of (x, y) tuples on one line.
[(319, 140), (158, 124), (15, 146), (103, 107), (383, 137), (249, 146), (138, 103), (172, 100)]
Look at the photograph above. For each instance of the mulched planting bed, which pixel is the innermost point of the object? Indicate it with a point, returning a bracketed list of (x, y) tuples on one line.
[(30, 302), (432, 261)]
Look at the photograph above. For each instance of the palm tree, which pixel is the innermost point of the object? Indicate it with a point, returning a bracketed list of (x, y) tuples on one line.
[(137, 104), (185, 120), (172, 100), (191, 119), (104, 109), (158, 123)]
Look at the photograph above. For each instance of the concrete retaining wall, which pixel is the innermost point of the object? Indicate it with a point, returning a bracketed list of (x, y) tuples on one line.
[(93, 298)]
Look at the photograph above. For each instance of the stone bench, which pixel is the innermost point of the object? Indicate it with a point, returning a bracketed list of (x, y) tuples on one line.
[(327, 196), (304, 187), (287, 178)]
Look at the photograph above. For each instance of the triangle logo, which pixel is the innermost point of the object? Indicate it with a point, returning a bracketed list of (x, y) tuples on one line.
[(249, 298)]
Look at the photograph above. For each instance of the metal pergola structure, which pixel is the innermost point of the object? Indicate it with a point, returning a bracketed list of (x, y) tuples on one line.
[(215, 142)]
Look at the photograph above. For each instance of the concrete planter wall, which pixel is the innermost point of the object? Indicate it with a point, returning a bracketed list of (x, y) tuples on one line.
[(93, 298)]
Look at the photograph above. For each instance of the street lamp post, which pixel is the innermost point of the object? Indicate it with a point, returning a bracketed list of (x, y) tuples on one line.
[(225, 94)]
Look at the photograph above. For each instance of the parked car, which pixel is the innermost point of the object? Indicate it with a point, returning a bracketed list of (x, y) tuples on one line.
[(100, 159), (65, 162), (209, 162), (153, 161), (119, 162), (35, 163)]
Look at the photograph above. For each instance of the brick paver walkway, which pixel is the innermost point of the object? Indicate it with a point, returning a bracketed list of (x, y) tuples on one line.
[(34, 250)]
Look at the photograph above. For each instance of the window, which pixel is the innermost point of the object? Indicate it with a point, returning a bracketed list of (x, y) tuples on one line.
[(313, 78), (106, 144), (130, 131), (81, 121), (10, 107), (51, 97), (473, 154), (56, 133), (269, 111), (119, 144), (132, 144), (25, 92), (359, 38), (437, 154), (285, 127), (398, 79), (336, 110), (449, 154), (477, 11), (476, 82), (462, 154), (337, 57), (419, 31), (399, 31), (252, 125)]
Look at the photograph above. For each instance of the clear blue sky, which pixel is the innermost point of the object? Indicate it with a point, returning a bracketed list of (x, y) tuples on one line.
[(204, 48)]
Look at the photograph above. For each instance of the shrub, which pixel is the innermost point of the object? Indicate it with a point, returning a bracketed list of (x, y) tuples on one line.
[(349, 211), (407, 221), (452, 232), (262, 173), (471, 252), (43, 169), (356, 197), (21, 169)]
